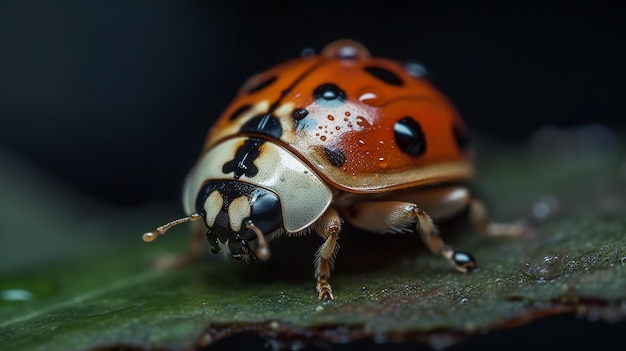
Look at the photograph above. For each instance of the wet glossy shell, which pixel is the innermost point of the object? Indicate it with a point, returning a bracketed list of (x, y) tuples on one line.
[(363, 124)]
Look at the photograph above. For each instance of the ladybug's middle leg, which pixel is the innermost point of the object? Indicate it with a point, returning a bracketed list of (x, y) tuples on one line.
[(328, 227), (400, 216)]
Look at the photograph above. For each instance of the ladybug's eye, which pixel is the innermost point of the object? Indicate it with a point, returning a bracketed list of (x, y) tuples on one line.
[(409, 136)]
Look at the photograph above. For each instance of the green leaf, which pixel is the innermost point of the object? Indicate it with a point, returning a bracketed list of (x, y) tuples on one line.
[(76, 275)]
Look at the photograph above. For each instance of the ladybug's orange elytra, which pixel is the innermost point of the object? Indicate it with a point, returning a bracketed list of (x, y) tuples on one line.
[(355, 111)]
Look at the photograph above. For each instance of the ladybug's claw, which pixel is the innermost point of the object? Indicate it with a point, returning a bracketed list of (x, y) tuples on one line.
[(325, 292), (462, 261)]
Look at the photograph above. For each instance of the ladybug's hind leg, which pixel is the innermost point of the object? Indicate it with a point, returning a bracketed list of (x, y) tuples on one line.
[(480, 220), (402, 217), (328, 227)]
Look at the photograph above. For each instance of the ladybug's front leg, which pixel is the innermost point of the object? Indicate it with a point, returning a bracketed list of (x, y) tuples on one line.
[(399, 216), (328, 227)]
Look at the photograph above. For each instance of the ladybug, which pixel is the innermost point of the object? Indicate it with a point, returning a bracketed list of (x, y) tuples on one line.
[(322, 139)]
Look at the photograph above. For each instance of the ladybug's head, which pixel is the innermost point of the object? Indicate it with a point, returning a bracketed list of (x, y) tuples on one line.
[(235, 213), (246, 194)]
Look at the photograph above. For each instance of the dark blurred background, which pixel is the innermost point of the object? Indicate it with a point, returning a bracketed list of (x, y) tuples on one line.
[(114, 98)]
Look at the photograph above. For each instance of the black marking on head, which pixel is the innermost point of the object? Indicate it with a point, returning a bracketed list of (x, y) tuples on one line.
[(263, 84), (336, 157), (238, 112), (211, 237), (384, 75), (238, 246), (243, 163), (328, 92), (409, 136), (461, 137), (264, 124), (299, 113)]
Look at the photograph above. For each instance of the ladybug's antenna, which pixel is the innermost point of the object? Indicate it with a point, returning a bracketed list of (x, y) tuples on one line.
[(150, 236), (263, 250)]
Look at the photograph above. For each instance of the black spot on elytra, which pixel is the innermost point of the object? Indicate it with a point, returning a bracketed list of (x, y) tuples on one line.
[(263, 84), (329, 92), (299, 113), (238, 112), (243, 162), (384, 75), (409, 136), (461, 137), (265, 124), (336, 157)]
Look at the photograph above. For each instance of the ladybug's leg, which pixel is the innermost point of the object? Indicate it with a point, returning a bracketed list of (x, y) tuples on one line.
[(328, 227), (478, 216), (399, 216)]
